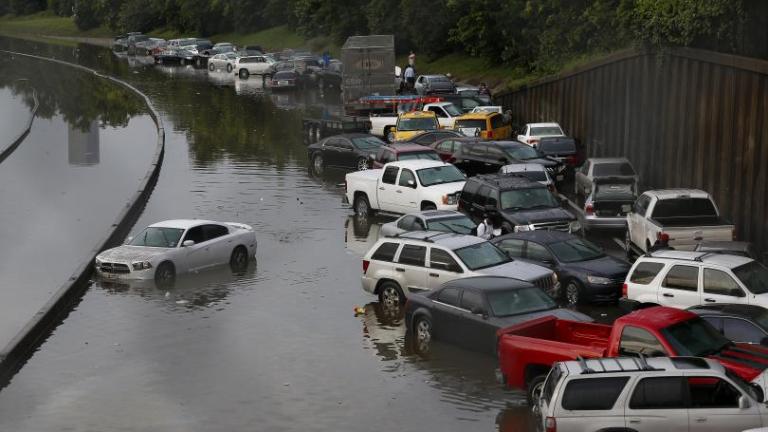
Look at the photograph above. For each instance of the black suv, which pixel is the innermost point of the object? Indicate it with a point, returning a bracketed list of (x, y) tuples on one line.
[(521, 204), (487, 157)]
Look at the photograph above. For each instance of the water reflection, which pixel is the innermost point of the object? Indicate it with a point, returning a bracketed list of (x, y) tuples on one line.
[(360, 234), (221, 78), (252, 86), (83, 145)]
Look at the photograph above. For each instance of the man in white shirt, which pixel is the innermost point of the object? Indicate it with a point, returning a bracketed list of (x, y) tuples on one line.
[(485, 229), (410, 76)]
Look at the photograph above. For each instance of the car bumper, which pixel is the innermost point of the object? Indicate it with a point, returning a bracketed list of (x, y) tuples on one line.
[(592, 221), (146, 274), (369, 284), (602, 293)]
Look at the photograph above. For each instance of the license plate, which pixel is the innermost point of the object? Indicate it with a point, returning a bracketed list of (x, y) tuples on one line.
[(282, 83), (626, 208), (560, 177)]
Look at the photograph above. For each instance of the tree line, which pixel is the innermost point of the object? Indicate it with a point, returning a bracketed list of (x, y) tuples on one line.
[(531, 34)]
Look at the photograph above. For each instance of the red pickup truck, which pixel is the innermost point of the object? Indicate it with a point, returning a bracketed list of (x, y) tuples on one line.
[(528, 350)]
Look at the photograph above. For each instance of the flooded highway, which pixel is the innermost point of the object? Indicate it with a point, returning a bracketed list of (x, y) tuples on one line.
[(275, 347)]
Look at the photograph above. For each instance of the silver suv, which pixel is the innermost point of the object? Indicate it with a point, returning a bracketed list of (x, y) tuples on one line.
[(421, 261), (657, 394)]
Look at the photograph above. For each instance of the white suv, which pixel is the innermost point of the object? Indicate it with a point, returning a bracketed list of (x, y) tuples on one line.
[(253, 65), (657, 394), (683, 279), (420, 261)]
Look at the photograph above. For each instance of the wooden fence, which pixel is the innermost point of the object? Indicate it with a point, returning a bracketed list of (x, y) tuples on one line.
[(685, 118)]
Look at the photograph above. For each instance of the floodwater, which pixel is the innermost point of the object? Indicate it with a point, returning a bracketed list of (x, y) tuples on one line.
[(13, 116), (277, 347)]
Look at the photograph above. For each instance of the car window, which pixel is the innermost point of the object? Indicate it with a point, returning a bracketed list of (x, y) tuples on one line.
[(635, 341), (386, 156), (438, 111), (406, 223), (576, 250), (479, 150), (513, 247), (481, 255), (641, 205), (739, 330), (715, 321), (407, 176), (442, 260), (593, 394), (385, 252), (471, 300), (721, 283), (682, 277), (446, 146), (613, 169), (214, 231), (496, 153), (158, 237), (537, 252), (390, 175), (684, 207), (754, 275), (449, 296), (439, 175), (518, 301), (470, 189), (712, 392), (659, 393), (482, 195), (195, 234), (413, 255), (344, 145), (645, 272), (551, 383)]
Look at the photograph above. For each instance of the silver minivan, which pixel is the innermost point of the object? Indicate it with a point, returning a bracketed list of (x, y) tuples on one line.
[(639, 395)]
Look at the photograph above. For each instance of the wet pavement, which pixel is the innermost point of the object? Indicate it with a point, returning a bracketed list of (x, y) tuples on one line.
[(277, 347), (13, 116)]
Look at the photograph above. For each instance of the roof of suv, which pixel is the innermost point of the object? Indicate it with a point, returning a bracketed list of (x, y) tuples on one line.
[(608, 160), (676, 193), (635, 365), (541, 236), (488, 283), (725, 260), (506, 182), (448, 240), (728, 309)]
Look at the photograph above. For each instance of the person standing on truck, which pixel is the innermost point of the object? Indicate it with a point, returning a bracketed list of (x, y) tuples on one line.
[(484, 90), (410, 77), (326, 59), (412, 60)]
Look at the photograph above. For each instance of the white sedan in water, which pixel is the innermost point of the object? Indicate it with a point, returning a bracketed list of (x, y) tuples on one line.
[(165, 249)]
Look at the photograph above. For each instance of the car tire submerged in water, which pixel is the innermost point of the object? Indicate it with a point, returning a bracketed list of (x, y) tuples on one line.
[(422, 333), (390, 294), (243, 74), (318, 164), (229, 68), (211, 67), (239, 258), (361, 206), (573, 293), (165, 273), (535, 386)]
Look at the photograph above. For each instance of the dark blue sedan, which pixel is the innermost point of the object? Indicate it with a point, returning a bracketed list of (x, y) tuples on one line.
[(585, 272)]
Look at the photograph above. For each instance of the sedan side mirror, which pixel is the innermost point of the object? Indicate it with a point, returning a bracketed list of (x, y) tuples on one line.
[(478, 310), (188, 243), (743, 403)]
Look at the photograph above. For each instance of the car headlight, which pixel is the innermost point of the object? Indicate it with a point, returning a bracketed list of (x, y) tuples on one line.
[(574, 226), (554, 278), (520, 228), (141, 265), (449, 199), (597, 280), (97, 261)]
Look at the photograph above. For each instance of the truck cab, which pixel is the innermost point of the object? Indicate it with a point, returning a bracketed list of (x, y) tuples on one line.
[(413, 123)]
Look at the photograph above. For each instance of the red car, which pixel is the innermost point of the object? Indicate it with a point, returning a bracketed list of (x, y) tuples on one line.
[(448, 146), (398, 152), (528, 350)]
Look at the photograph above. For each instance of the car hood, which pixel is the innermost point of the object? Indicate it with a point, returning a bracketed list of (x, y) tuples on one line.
[(746, 360), (406, 135), (446, 188), (538, 215), (546, 162), (127, 253), (518, 269), (606, 266), (560, 313)]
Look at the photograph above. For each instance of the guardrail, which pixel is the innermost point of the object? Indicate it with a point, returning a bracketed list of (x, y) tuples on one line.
[(23, 345), (686, 118)]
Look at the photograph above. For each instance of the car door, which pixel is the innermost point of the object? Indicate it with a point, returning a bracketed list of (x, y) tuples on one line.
[(719, 287), (407, 192), (195, 256), (714, 406), (657, 404), (220, 243), (387, 193), (636, 220), (442, 268), (581, 177), (680, 287), (332, 152), (412, 264), (446, 314), (477, 332)]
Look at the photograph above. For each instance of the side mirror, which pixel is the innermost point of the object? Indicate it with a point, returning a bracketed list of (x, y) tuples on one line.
[(188, 243), (411, 184), (478, 310), (743, 403)]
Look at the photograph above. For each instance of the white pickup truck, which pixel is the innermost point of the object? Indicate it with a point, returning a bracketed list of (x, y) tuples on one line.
[(446, 116), (686, 216), (405, 187)]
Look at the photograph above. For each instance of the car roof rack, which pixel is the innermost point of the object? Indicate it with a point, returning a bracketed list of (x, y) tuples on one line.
[(641, 364), (413, 235)]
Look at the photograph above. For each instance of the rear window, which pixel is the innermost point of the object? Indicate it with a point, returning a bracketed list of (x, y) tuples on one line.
[(385, 252), (593, 394), (546, 130), (645, 272), (684, 207), (613, 169), (469, 123), (251, 60)]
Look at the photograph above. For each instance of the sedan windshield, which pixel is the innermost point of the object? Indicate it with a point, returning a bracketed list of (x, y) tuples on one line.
[(522, 152), (519, 301), (695, 337), (158, 237), (367, 143), (416, 124), (613, 169), (754, 275), (575, 250), (458, 224), (481, 255), (428, 155), (439, 175), (526, 199)]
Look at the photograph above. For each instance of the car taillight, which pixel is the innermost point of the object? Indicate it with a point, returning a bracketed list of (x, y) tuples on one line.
[(532, 141), (572, 160), (662, 237), (624, 289), (490, 134), (589, 209), (366, 263), (550, 425)]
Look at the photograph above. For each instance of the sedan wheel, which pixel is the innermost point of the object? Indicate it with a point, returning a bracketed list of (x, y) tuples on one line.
[(423, 333), (362, 164), (165, 273), (239, 258), (573, 293)]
